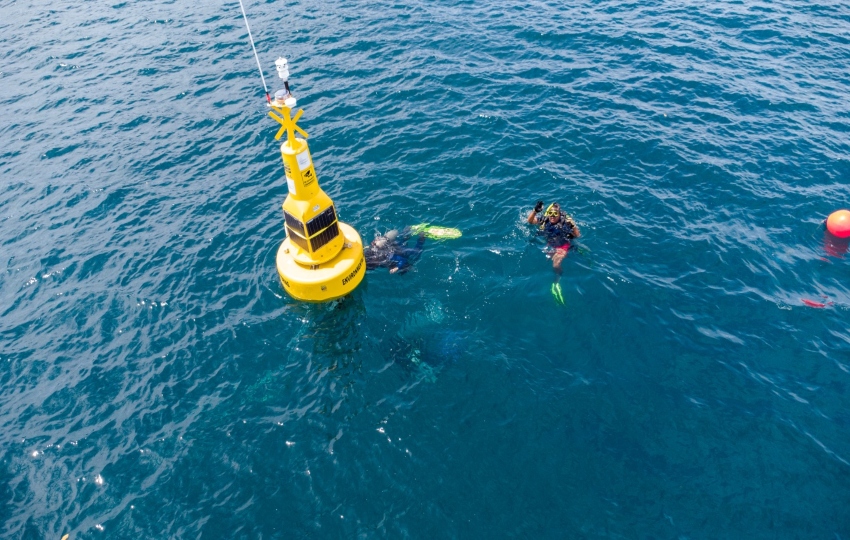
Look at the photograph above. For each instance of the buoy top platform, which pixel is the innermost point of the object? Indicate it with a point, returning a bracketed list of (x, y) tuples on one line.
[(321, 258)]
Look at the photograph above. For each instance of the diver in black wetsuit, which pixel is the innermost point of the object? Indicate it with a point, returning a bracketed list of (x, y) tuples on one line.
[(391, 251), (559, 229)]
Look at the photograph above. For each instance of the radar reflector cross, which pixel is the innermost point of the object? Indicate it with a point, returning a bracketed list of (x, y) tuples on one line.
[(287, 123)]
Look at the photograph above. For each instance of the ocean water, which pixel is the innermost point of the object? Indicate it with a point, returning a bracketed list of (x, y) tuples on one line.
[(157, 382)]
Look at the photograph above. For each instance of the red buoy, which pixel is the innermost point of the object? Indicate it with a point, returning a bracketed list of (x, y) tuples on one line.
[(838, 223)]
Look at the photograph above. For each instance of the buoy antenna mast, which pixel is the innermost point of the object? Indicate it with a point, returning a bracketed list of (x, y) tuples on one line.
[(257, 58)]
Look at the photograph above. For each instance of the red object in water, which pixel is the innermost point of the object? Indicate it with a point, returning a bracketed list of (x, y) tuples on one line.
[(838, 223), (834, 246), (812, 303)]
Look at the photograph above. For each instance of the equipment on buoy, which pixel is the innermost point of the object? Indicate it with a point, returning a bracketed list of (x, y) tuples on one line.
[(321, 258), (838, 223)]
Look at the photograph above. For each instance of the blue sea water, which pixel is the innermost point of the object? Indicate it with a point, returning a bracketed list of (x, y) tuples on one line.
[(157, 382)]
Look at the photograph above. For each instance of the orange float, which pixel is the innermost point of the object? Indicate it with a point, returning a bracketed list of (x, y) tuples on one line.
[(838, 223)]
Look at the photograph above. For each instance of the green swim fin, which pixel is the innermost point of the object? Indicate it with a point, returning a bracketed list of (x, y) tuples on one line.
[(557, 294), (437, 233)]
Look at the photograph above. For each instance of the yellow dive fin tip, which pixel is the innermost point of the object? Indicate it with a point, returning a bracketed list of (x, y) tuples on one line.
[(437, 233)]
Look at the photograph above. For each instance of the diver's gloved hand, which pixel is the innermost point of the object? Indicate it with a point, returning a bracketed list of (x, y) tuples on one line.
[(539, 206)]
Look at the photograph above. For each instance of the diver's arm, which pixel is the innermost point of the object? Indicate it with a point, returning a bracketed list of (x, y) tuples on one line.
[(398, 263), (576, 233), (532, 216)]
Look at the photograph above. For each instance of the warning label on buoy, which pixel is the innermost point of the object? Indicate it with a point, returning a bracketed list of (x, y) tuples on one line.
[(303, 159)]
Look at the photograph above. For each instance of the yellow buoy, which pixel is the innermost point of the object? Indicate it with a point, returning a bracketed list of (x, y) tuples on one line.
[(321, 258)]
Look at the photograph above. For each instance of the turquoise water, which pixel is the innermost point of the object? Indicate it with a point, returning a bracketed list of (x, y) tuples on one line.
[(157, 382)]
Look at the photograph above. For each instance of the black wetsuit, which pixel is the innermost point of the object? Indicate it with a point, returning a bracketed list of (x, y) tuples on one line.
[(394, 254), (559, 234)]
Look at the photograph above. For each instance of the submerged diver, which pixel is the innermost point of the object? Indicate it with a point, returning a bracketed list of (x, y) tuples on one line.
[(390, 251), (559, 229)]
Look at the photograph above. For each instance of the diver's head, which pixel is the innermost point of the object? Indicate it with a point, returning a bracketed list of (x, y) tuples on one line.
[(379, 241), (391, 235), (553, 212)]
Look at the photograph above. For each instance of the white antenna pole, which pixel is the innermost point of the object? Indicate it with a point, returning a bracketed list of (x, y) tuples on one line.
[(268, 98)]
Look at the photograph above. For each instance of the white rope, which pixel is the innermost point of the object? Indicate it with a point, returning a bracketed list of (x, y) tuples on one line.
[(255, 49)]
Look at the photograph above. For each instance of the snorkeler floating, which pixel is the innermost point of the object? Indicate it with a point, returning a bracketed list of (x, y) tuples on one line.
[(559, 229), (390, 251)]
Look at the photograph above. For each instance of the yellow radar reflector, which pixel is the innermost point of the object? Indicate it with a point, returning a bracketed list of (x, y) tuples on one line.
[(301, 131), (287, 124), (282, 123)]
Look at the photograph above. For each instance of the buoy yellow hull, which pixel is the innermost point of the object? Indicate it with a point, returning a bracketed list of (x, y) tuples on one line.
[(326, 281)]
